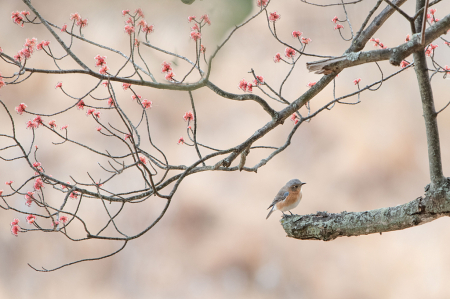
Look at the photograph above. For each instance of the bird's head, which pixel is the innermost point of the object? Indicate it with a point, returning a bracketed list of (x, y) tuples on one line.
[(295, 185)]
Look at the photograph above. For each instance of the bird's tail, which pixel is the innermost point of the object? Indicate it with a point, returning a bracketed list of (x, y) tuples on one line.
[(270, 213)]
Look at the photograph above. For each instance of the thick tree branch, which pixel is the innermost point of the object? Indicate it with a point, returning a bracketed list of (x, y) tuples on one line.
[(429, 112), (394, 55)]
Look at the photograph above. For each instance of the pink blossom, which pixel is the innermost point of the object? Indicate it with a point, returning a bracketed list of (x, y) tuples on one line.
[(82, 23), (97, 114), (407, 39), (277, 57), (129, 21), (29, 197), (21, 108), (129, 29), (195, 27), (103, 70), (17, 18), (52, 124), (126, 11), (289, 52), (261, 3), (195, 35), (294, 118), (1, 192), (306, 40), (101, 60), (58, 85), (1, 82), (81, 104), (249, 87), (75, 16), (127, 136), (15, 222), (166, 67), (181, 140), (377, 43), (148, 29), (188, 116), (356, 81), (125, 86), (56, 223), (42, 44), (32, 124), (311, 84), (38, 120), (430, 49), (15, 230), (432, 11), (447, 70), (64, 28), (169, 76), (9, 183), (105, 83), (111, 102), (36, 164), (64, 127), (137, 43), (99, 129), (147, 104), (202, 49), (74, 195), (38, 184), (296, 34), (206, 19), (191, 18), (335, 19), (243, 85), (143, 159), (142, 23), (31, 219), (274, 16), (139, 12), (27, 13), (133, 97), (90, 111), (260, 79), (63, 219), (338, 26)]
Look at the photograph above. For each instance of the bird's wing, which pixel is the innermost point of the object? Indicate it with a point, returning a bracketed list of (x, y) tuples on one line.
[(280, 197)]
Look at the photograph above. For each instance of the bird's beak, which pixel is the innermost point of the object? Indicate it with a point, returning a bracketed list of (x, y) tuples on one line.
[(303, 183)]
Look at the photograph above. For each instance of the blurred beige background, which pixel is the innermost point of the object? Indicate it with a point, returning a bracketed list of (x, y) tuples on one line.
[(214, 241)]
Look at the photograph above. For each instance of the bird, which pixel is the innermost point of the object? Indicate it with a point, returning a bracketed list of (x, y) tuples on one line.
[(288, 197)]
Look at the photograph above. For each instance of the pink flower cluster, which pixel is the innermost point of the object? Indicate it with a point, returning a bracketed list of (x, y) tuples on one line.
[(294, 117), (430, 49), (79, 21), (92, 111), (261, 3), (145, 27), (28, 49), (101, 62), (15, 227), (167, 68), (247, 86), (2, 83), (188, 116), (274, 16), (377, 43), (34, 123), (42, 44), (18, 17)]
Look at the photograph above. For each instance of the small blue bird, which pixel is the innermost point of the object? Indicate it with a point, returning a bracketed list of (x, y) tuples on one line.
[(288, 197)]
